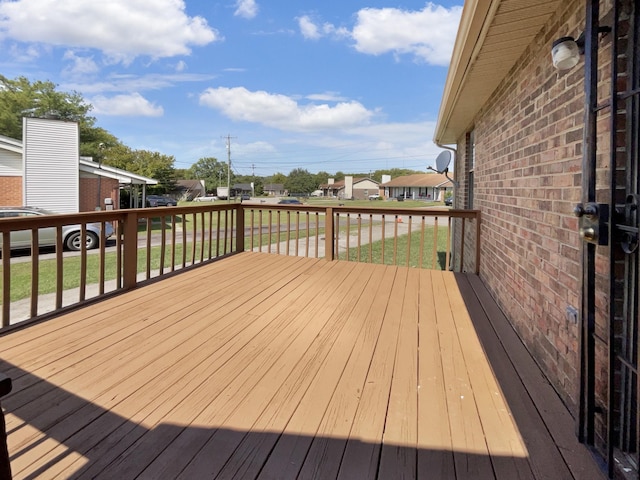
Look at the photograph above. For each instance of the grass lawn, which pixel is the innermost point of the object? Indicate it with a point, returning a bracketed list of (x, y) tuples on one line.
[(401, 246)]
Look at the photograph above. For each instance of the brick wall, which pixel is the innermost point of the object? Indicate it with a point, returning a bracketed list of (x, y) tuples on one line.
[(527, 180), (10, 191), (89, 193)]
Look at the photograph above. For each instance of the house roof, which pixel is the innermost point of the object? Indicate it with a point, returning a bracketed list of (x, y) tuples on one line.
[(89, 166), (492, 36), (242, 186), (11, 144), (190, 184), (420, 180)]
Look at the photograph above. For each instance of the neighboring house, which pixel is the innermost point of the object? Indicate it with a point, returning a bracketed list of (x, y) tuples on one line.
[(421, 186), (190, 189), (44, 170), (275, 190), (243, 188), (533, 148), (350, 188)]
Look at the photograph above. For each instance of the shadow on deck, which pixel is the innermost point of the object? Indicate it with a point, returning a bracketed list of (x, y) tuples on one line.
[(261, 366)]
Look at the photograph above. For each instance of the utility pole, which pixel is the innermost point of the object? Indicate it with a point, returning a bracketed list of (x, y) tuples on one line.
[(228, 137)]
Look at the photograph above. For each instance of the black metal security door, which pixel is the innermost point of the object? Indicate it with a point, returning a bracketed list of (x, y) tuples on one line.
[(611, 230)]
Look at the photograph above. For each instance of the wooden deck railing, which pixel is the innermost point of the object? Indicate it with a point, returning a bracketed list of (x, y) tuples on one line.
[(153, 242), (420, 238)]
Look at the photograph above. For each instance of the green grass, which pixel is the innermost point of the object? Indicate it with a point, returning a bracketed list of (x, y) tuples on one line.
[(21, 272), (401, 250)]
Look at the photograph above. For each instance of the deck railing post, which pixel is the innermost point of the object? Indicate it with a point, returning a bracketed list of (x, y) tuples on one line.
[(5, 465), (130, 250), (240, 228), (478, 242), (328, 234)]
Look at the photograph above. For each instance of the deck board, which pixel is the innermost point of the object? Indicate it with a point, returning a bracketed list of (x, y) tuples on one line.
[(264, 366)]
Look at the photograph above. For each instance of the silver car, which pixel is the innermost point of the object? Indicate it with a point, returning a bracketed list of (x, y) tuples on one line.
[(47, 235)]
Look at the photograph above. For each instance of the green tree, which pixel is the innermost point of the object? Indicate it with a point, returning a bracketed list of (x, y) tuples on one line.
[(212, 171), (143, 162), (277, 178), (300, 181), (20, 98)]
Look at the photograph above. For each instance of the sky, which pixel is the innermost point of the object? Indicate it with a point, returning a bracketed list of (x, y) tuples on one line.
[(349, 85)]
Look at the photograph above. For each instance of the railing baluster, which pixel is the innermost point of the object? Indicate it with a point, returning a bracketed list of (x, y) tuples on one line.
[(174, 236), (202, 238), (307, 220), (359, 236), (347, 236), (83, 262), (370, 238), (163, 244), (421, 253), (288, 230), (434, 253), (35, 265), (278, 220), (6, 280), (102, 257), (409, 240), (149, 222), (59, 268), (184, 240), (317, 216), (384, 225), (448, 252), (210, 234), (297, 231), (395, 240)]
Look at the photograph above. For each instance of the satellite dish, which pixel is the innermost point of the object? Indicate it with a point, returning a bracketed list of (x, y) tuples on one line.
[(442, 161)]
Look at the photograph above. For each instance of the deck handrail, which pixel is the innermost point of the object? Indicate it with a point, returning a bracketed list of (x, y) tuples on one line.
[(150, 243)]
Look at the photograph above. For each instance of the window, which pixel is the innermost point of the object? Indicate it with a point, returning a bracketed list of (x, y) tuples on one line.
[(471, 165)]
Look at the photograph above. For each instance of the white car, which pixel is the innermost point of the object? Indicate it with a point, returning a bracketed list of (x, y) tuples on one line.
[(47, 235), (374, 196), (205, 199)]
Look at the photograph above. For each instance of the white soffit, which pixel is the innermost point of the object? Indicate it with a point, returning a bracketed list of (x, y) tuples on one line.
[(492, 36)]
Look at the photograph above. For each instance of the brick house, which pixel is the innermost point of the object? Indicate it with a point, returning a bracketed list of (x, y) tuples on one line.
[(532, 153), (45, 170), (420, 186), (350, 188)]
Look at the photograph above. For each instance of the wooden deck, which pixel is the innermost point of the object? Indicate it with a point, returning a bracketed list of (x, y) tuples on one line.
[(265, 366)]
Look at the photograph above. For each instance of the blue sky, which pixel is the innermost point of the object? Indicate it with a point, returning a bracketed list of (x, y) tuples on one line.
[(347, 86)]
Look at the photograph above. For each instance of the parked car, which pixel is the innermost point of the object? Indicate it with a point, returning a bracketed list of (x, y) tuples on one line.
[(290, 201), (400, 198), (160, 201), (71, 234), (206, 198), (374, 196), (245, 196), (448, 201)]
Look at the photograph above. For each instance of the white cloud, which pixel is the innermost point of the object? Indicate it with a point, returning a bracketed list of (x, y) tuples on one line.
[(181, 66), (313, 31), (122, 29), (326, 97), (428, 34), (282, 112), (80, 66), (130, 105), (135, 83), (308, 29), (246, 9)]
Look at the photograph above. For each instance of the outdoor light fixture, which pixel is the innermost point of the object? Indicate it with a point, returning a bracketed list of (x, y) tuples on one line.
[(566, 51)]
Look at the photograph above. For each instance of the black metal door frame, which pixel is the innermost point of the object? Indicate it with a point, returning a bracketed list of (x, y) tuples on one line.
[(619, 219)]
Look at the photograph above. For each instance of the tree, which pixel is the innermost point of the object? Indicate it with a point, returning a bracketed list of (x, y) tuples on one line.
[(20, 98), (277, 178), (300, 181), (212, 171), (143, 162)]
